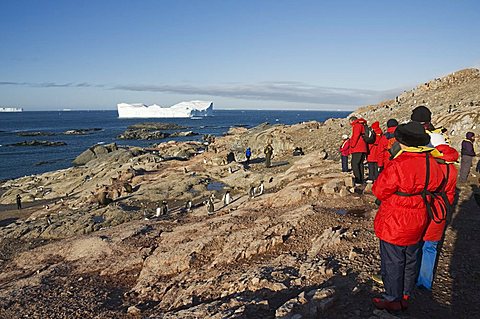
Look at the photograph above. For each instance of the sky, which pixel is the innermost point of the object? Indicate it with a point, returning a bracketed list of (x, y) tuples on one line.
[(258, 54)]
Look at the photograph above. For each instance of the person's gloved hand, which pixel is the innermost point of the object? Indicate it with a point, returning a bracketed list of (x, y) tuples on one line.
[(377, 202), (478, 167)]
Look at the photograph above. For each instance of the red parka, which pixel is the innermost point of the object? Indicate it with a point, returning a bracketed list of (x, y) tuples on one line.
[(345, 148), (357, 143), (374, 151), (450, 155), (384, 145), (402, 220)]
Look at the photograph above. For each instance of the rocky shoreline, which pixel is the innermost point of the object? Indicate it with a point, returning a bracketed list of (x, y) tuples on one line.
[(89, 242)]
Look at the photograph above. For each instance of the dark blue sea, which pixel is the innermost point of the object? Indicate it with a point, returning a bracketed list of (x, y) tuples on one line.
[(17, 161)]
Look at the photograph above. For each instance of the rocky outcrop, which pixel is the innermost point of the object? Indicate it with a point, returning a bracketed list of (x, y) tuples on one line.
[(38, 143), (38, 133), (94, 152), (82, 131), (142, 134)]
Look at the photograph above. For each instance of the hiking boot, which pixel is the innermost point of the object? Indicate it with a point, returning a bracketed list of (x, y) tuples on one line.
[(377, 278), (404, 302), (384, 304)]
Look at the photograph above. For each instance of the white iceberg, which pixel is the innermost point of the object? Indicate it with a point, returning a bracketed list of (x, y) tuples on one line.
[(182, 109)]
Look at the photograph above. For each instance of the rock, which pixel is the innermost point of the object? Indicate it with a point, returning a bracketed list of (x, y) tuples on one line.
[(152, 126), (183, 134), (35, 133), (94, 152), (343, 191), (349, 181), (142, 134), (82, 131), (333, 186), (133, 310), (37, 143)]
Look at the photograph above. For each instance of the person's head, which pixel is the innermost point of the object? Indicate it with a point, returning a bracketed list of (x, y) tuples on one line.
[(344, 137), (352, 119), (470, 136), (392, 123), (421, 114), (412, 134)]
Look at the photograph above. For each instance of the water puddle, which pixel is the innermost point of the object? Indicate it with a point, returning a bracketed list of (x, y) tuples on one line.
[(356, 212), (98, 219), (216, 186)]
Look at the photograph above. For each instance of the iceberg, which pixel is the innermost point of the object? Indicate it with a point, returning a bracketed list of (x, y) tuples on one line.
[(182, 109), (11, 109)]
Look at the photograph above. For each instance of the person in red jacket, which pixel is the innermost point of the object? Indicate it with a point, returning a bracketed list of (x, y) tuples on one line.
[(345, 152), (358, 148), (386, 142), (402, 216), (435, 230), (373, 156)]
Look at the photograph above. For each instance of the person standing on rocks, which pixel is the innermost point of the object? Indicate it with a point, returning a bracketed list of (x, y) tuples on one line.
[(468, 153), (433, 237), (402, 217), (19, 202), (358, 148), (423, 115), (386, 142), (345, 152), (268, 154), (248, 154), (374, 153)]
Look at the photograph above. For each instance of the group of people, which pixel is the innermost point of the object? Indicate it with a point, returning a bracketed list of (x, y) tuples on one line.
[(412, 166), (268, 151)]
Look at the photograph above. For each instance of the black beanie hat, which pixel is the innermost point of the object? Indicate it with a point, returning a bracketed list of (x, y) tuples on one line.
[(392, 123), (412, 134), (421, 114)]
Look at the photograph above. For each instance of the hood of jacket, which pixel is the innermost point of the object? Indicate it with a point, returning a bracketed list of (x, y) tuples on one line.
[(359, 121), (449, 154)]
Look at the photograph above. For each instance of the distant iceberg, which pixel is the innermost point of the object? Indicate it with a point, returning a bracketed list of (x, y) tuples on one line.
[(182, 109)]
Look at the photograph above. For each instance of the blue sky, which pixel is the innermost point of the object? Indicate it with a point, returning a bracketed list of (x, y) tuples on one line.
[(240, 54)]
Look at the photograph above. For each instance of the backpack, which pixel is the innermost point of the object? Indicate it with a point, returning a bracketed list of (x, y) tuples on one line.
[(369, 135), (248, 152), (438, 207)]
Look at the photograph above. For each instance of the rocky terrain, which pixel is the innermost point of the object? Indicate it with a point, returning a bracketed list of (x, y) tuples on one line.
[(154, 131), (89, 244)]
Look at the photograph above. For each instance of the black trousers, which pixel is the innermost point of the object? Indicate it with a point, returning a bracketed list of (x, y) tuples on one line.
[(372, 171), (344, 163), (357, 166), (400, 265)]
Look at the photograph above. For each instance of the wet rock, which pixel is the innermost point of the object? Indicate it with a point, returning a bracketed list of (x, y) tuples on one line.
[(37, 143)]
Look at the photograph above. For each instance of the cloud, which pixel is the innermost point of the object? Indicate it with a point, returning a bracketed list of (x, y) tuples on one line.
[(284, 91), (52, 84)]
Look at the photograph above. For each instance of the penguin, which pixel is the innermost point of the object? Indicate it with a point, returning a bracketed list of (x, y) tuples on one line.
[(227, 199), (251, 192), (164, 208), (188, 206), (210, 206), (260, 189)]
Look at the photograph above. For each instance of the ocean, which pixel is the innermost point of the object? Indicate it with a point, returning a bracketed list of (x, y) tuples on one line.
[(17, 161)]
